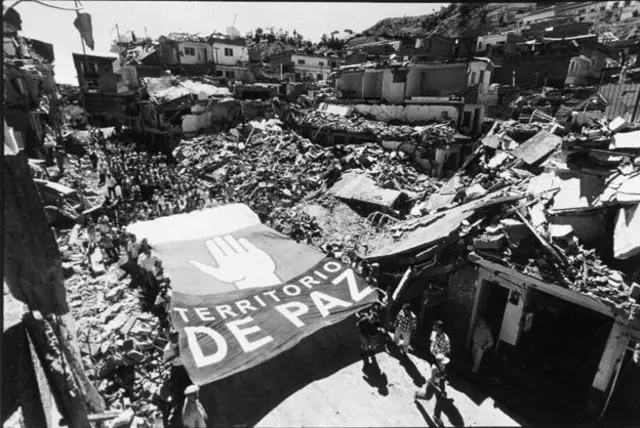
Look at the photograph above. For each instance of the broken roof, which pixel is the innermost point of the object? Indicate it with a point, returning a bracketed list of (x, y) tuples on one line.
[(186, 37), (167, 89)]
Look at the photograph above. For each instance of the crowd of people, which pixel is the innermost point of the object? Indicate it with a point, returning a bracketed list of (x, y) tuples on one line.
[(142, 186)]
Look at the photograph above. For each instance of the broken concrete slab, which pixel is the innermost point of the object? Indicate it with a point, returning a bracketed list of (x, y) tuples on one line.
[(625, 141), (360, 188), (537, 147), (617, 124), (576, 191), (489, 242), (516, 230), (626, 239), (589, 227), (340, 110), (114, 294), (498, 159), (445, 196), (491, 141)]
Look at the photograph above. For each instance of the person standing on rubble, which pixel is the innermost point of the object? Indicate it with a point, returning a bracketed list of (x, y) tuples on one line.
[(482, 341), (111, 186), (93, 158), (102, 172), (60, 155), (91, 232), (106, 242), (405, 325)]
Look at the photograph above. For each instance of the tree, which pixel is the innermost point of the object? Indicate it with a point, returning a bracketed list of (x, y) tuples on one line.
[(333, 34), (348, 31), (324, 40)]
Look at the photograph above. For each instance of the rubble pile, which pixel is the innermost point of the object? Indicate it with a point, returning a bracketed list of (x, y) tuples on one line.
[(535, 223), (278, 169), (121, 347), (390, 170), (358, 125)]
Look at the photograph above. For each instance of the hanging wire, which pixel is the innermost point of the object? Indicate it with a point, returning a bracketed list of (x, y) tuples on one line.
[(43, 4), (57, 7)]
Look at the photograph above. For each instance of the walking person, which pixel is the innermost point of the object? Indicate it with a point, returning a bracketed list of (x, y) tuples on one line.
[(370, 329), (440, 343), (436, 385), (405, 325), (482, 341)]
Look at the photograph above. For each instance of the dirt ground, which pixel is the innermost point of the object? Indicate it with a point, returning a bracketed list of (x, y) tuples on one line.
[(323, 382)]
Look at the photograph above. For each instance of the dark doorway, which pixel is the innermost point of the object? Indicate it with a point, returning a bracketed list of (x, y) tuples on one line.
[(623, 406), (547, 376), (496, 303)]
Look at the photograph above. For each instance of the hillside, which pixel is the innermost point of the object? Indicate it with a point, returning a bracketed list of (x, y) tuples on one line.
[(475, 18), (453, 20)]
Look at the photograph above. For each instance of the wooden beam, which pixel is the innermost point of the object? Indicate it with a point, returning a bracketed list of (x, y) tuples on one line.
[(553, 289)]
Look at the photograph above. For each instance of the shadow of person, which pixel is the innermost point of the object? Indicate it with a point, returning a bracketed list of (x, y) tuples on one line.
[(446, 406), (374, 376), (411, 369), (425, 415)]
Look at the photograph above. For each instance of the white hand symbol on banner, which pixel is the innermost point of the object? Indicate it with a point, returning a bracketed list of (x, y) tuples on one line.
[(239, 262)]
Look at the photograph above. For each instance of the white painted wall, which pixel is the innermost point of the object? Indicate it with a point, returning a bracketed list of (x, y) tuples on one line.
[(199, 57), (475, 71), (493, 39), (240, 53)]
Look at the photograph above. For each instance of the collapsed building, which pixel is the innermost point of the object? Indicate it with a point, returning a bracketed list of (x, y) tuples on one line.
[(30, 95), (418, 92), (535, 233), (173, 106)]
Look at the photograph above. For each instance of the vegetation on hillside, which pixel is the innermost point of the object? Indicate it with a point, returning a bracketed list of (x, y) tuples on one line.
[(459, 19)]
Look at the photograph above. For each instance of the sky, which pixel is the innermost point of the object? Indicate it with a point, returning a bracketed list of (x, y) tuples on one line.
[(162, 17)]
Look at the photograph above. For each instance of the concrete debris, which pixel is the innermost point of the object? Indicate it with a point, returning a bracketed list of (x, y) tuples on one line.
[(357, 125), (626, 239)]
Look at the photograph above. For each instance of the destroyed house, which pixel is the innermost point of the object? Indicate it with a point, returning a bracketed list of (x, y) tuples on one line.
[(418, 92), (432, 48), (231, 58), (172, 106), (99, 86), (533, 254), (136, 62), (30, 90), (380, 50), (546, 60), (299, 66), (587, 68)]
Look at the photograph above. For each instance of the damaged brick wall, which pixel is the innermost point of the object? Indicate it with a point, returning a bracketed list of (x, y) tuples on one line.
[(457, 312)]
